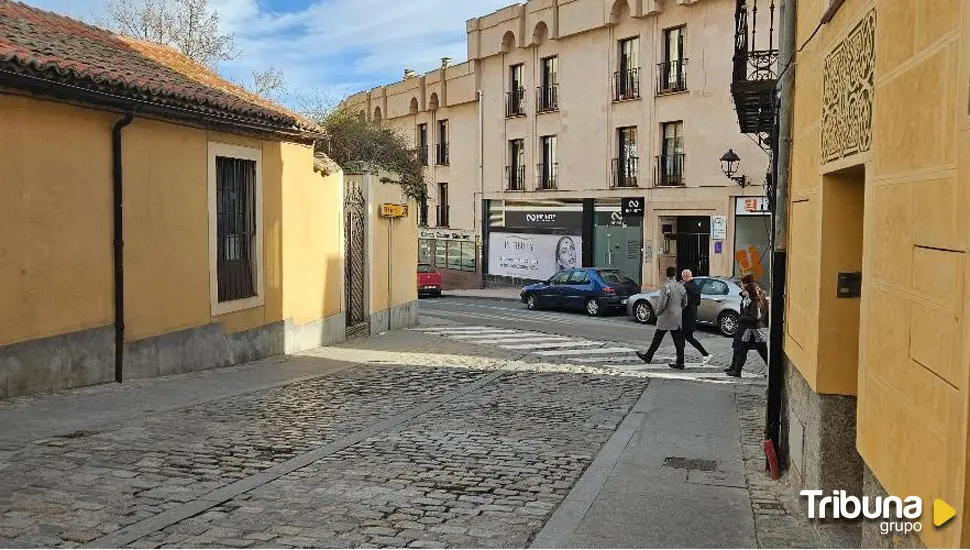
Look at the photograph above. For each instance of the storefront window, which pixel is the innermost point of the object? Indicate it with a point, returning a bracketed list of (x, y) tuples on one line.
[(425, 250), (752, 238), (441, 254), (454, 255), (469, 256)]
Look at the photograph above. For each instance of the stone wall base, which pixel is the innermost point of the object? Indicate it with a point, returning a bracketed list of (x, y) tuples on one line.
[(398, 317), (313, 335), (871, 536), (820, 432)]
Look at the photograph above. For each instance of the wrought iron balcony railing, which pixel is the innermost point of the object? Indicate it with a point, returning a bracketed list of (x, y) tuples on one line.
[(515, 178), (548, 175), (672, 76), (755, 69), (626, 84), (515, 103), (441, 156), (670, 170), (625, 172), (547, 98)]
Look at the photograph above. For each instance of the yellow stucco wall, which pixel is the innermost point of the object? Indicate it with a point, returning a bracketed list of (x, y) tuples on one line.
[(399, 237), (903, 348), (56, 226)]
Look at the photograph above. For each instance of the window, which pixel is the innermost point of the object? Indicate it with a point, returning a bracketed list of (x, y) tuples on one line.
[(713, 287), (442, 205), (441, 156), (515, 171), (425, 268), (626, 164), (626, 80), (549, 167), (613, 277), (578, 278), (441, 254), (425, 251), (670, 166), (423, 144), (672, 73), (454, 255), (447, 254), (547, 98), (469, 256), (235, 228), (515, 98), (560, 278)]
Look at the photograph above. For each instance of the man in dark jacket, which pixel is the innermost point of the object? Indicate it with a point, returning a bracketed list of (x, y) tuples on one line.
[(690, 313)]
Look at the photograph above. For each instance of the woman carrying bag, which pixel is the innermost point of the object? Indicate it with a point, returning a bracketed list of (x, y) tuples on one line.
[(753, 331)]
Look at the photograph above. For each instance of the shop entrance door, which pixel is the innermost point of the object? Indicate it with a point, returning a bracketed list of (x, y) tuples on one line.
[(694, 245), (620, 248)]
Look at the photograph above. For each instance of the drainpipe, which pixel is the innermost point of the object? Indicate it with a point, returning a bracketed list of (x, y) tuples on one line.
[(779, 203), (119, 244), (481, 180)]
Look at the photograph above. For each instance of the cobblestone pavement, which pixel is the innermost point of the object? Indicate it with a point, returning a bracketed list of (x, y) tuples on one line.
[(276, 468)]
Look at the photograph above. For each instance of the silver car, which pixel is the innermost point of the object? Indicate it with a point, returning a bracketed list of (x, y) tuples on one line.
[(720, 304)]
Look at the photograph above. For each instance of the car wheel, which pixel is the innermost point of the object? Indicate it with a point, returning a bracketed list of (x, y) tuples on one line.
[(592, 307), (643, 312), (531, 302), (728, 323)]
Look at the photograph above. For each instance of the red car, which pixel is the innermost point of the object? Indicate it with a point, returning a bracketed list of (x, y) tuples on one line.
[(429, 281)]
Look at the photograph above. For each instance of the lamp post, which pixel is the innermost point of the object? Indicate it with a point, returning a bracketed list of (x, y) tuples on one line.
[(730, 162)]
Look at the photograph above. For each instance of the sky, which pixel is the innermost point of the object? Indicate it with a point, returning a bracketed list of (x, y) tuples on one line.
[(327, 49)]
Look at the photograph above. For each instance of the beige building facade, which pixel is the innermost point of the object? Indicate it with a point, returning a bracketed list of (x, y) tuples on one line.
[(584, 132)]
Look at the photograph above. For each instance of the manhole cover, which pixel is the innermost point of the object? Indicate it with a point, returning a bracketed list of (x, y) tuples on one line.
[(696, 464)]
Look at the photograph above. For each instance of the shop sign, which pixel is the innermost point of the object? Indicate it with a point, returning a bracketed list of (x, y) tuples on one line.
[(750, 206), (565, 219), (718, 228), (389, 210), (633, 207), (447, 234)]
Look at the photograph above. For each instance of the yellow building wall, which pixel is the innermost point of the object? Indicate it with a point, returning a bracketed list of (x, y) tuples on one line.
[(909, 363), (55, 220), (394, 273), (56, 226), (313, 247)]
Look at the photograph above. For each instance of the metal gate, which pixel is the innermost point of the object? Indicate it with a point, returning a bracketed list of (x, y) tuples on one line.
[(692, 253), (355, 257)]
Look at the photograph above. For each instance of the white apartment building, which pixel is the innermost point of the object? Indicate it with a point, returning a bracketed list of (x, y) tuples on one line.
[(565, 112)]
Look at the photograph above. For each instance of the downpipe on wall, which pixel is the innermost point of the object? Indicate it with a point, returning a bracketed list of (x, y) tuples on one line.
[(119, 244)]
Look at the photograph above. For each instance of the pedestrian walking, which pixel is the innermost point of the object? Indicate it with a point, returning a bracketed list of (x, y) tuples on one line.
[(670, 309), (752, 330), (690, 313)]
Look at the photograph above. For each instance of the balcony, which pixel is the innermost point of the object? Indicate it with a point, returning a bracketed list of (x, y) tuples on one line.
[(547, 98), (755, 70), (548, 175), (442, 213), (670, 170), (626, 85), (515, 103), (672, 77), (515, 178), (423, 154), (441, 154), (625, 172)]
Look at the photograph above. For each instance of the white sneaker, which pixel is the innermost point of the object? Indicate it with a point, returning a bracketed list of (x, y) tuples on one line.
[(707, 359)]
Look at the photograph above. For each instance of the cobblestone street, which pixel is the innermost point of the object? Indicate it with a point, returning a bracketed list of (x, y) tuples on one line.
[(408, 440)]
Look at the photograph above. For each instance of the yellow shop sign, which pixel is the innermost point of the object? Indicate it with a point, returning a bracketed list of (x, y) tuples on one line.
[(389, 210)]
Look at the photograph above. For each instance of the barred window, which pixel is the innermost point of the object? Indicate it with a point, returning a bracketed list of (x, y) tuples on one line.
[(236, 255)]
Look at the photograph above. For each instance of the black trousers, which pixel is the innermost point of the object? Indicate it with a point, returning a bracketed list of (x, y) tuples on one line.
[(679, 341), (689, 337)]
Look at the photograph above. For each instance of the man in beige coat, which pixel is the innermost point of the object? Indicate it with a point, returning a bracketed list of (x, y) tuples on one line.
[(670, 311)]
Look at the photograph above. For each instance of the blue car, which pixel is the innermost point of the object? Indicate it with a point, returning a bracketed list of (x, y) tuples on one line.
[(591, 289)]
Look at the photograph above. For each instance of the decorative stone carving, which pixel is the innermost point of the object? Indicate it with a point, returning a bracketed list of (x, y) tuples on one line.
[(848, 88)]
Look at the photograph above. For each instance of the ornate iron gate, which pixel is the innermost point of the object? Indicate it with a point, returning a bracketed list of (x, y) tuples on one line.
[(355, 258)]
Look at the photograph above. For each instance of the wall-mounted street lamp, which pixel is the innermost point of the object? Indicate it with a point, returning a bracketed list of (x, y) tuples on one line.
[(730, 163)]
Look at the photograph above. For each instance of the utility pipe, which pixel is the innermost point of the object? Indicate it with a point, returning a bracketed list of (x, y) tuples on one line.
[(119, 244)]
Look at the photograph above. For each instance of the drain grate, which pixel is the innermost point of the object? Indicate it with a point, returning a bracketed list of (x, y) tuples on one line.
[(695, 464)]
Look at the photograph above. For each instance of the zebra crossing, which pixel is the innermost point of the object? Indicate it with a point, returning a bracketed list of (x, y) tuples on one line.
[(587, 352)]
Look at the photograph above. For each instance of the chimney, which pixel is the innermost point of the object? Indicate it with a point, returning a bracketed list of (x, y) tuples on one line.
[(445, 62), (408, 73)]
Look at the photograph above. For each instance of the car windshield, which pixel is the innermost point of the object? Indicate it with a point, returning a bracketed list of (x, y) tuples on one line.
[(613, 277), (424, 268)]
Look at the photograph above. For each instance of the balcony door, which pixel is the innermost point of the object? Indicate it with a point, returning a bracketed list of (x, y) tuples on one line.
[(548, 168), (672, 154), (516, 164), (674, 41), (627, 157)]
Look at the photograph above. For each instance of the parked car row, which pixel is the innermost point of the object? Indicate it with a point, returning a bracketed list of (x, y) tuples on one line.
[(598, 290)]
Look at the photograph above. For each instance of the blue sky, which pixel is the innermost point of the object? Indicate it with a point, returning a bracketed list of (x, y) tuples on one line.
[(328, 48)]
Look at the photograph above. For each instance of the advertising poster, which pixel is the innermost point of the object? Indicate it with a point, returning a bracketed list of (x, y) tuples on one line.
[(530, 256)]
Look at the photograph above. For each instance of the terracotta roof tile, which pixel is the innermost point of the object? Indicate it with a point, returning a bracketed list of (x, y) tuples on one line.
[(37, 43)]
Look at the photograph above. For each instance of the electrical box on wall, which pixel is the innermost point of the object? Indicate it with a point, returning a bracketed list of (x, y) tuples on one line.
[(850, 285)]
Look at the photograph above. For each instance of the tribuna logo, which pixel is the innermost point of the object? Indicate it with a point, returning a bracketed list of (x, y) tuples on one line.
[(897, 514)]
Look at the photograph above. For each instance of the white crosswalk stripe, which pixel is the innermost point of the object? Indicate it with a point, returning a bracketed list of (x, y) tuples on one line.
[(602, 354)]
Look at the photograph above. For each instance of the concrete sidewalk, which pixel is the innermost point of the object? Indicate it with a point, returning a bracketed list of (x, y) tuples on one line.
[(672, 475)]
